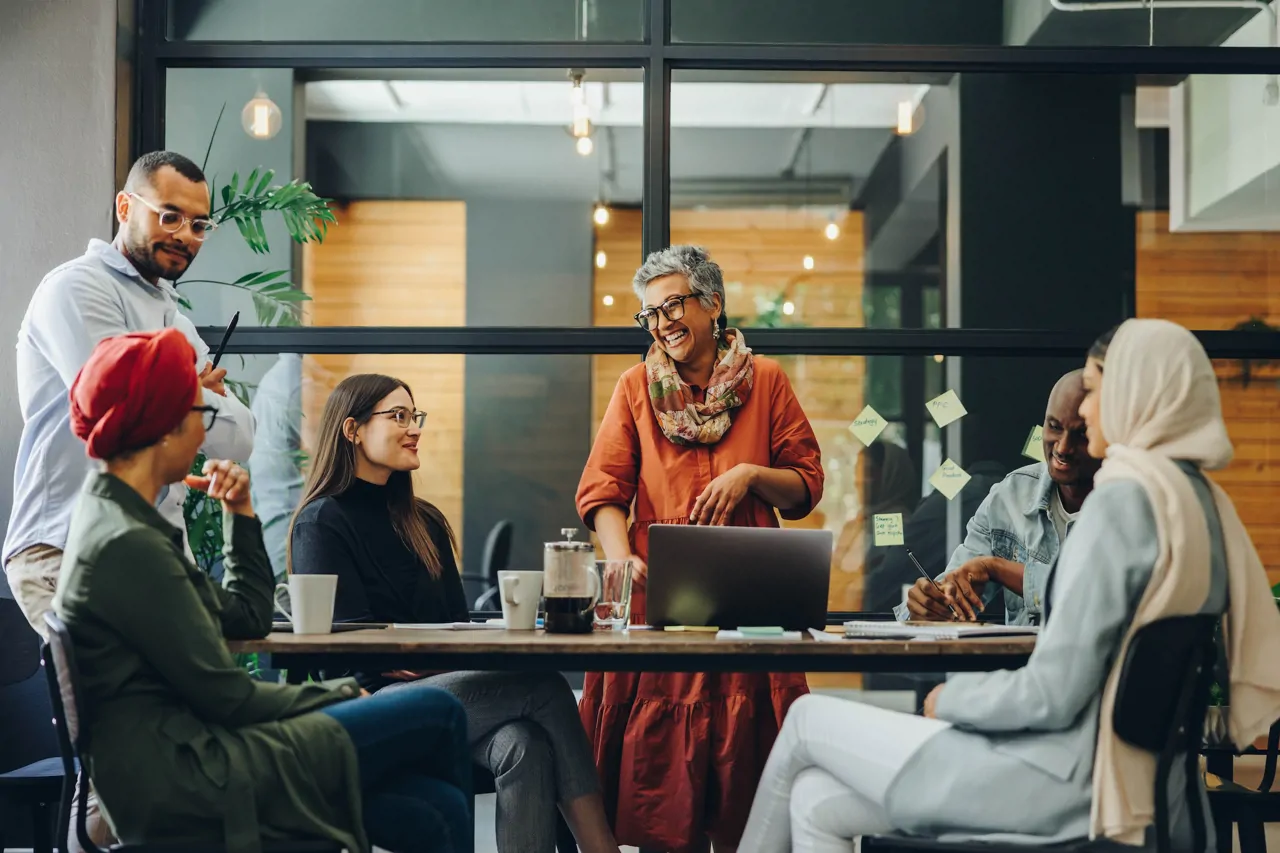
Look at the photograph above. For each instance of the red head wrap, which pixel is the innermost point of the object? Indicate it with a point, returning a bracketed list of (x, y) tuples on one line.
[(134, 390)]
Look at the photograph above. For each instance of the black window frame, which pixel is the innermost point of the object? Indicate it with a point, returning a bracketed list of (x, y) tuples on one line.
[(658, 56)]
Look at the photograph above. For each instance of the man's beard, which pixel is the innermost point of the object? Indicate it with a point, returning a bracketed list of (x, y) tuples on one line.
[(145, 260)]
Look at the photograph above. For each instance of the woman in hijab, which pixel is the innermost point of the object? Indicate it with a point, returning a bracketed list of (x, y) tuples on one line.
[(890, 485), (186, 746), (1032, 749)]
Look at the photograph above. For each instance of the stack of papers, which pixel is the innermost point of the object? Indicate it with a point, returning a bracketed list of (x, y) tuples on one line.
[(933, 630)]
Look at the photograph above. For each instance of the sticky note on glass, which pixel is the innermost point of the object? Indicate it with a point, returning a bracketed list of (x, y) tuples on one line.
[(888, 529), (1034, 448), (949, 479), (946, 408), (868, 425)]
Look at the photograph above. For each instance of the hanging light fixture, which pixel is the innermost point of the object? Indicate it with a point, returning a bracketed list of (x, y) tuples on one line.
[(608, 301), (788, 308), (832, 230), (601, 259), (910, 117), (808, 262), (601, 214), (581, 126), (261, 117)]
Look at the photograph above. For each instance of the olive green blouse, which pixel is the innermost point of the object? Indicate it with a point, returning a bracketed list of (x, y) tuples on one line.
[(184, 744)]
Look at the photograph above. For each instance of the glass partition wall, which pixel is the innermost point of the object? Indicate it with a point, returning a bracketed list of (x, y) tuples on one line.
[(905, 201)]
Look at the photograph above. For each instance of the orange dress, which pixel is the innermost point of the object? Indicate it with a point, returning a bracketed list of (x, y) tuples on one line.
[(680, 754)]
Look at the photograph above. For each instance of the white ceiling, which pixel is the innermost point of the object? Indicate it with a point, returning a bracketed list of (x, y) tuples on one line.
[(712, 105)]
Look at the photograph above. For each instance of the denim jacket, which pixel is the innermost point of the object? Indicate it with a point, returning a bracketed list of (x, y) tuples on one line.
[(1013, 523)]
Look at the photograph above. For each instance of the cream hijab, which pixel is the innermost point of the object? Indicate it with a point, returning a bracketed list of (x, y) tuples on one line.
[(1160, 403)]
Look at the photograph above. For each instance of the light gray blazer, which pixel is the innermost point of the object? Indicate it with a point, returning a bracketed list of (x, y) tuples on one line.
[(1018, 765)]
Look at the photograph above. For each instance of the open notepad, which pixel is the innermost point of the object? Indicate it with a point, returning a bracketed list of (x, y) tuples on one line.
[(933, 630)]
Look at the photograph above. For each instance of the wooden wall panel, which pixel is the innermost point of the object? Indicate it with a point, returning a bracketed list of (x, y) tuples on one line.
[(396, 263), (1213, 281)]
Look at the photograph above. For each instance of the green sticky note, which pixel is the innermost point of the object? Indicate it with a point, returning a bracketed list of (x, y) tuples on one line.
[(888, 529), (1034, 448), (946, 408), (949, 479), (868, 425)]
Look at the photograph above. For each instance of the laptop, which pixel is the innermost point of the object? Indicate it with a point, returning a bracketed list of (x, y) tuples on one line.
[(738, 576)]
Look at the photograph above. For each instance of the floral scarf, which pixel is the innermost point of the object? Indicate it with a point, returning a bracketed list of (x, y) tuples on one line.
[(685, 421)]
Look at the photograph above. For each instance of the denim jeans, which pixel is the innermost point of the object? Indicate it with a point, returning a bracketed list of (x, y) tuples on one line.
[(415, 769)]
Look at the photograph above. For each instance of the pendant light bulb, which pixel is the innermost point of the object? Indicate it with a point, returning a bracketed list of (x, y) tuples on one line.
[(600, 215), (261, 118), (832, 230), (808, 262), (585, 146), (601, 260)]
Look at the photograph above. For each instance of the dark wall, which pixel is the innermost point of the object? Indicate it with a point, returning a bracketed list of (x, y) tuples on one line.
[(527, 418), (1045, 241)]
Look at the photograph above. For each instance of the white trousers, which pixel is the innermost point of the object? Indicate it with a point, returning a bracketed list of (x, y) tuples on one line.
[(826, 779)]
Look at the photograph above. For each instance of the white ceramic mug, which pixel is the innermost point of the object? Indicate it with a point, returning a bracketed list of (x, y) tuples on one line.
[(311, 597), (520, 592)]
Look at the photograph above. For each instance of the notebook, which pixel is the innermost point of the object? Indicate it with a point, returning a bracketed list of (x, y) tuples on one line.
[(933, 630)]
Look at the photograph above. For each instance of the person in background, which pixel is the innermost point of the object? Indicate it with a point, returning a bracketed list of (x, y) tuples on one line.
[(890, 484), (393, 554), (1033, 749), (703, 432), (113, 288), (276, 461), (186, 746), (1017, 533)]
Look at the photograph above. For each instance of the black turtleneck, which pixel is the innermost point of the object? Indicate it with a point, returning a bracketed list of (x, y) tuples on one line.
[(379, 578)]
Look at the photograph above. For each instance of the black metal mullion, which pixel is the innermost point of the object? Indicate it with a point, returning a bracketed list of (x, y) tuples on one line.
[(477, 340), (656, 213), (327, 55), (1177, 61), (152, 20)]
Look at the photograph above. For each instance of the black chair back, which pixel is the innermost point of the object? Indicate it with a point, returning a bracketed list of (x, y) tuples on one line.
[(1161, 702), (497, 550), (68, 717)]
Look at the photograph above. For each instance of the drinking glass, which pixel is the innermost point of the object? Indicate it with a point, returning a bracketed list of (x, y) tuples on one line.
[(613, 611)]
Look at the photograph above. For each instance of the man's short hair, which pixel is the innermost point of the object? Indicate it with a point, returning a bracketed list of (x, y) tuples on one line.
[(153, 161)]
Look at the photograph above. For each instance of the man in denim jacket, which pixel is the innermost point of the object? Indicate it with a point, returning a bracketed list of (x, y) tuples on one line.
[(1014, 537)]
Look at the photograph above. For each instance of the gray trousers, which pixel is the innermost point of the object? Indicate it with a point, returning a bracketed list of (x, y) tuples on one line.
[(524, 727)]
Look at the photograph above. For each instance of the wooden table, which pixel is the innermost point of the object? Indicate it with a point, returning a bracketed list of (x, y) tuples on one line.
[(383, 650)]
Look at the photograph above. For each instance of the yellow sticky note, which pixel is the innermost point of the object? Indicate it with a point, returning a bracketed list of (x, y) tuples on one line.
[(1034, 448), (949, 479), (868, 425), (888, 529), (946, 408)]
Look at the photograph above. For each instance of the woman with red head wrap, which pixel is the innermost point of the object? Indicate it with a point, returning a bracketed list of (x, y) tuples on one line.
[(186, 746)]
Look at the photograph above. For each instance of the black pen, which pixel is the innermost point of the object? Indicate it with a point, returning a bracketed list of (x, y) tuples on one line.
[(226, 336), (925, 575)]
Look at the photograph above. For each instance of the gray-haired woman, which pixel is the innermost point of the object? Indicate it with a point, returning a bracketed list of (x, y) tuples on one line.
[(703, 432)]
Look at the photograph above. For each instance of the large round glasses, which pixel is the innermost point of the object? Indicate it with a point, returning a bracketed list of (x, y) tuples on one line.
[(672, 309), (172, 220)]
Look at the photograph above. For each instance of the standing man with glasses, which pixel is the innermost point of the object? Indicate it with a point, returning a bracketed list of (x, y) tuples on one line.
[(112, 289)]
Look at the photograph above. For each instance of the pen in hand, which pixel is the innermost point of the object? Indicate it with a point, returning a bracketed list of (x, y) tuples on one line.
[(925, 575)]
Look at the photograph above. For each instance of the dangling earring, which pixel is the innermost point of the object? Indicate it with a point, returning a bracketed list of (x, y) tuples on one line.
[(715, 330)]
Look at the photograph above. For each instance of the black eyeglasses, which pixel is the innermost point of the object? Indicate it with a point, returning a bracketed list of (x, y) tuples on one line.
[(672, 309), (403, 417), (208, 414)]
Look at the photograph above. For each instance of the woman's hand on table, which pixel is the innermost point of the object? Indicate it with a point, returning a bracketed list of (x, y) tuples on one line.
[(224, 480), (931, 702), (719, 499)]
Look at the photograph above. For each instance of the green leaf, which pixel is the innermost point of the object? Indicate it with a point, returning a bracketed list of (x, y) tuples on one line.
[(264, 277), (246, 278), (226, 195), (235, 183), (249, 182), (216, 124), (265, 182)]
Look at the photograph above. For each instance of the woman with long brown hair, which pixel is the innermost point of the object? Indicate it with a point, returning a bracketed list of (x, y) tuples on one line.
[(393, 554)]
